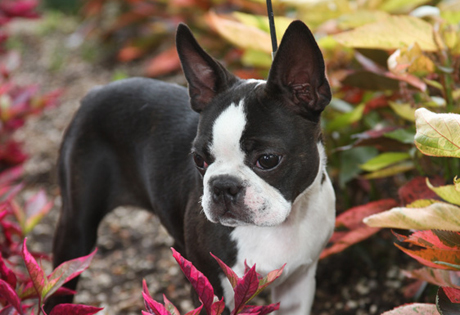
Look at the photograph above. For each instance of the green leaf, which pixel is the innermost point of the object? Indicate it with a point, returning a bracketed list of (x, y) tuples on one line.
[(359, 18), (448, 192), (457, 183), (402, 135), (438, 216), (437, 134), (401, 6), (346, 119), (405, 111), (383, 160), (256, 58), (391, 170), (388, 35), (350, 160)]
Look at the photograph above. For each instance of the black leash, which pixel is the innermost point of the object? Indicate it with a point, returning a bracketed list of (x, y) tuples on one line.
[(271, 22)]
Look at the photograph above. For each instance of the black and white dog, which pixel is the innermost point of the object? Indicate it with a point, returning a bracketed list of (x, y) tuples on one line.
[(240, 173)]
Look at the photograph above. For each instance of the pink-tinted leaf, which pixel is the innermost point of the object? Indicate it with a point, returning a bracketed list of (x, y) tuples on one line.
[(170, 307), (196, 311), (199, 282), (36, 273), (152, 306), (245, 289), (414, 309), (10, 175), (7, 274), (260, 310), (353, 218), (427, 239), (9, 192), (266, 281), (437, 277), (66, 272), (218, 307), (36, 208), (9, 310), (74, 309), (8, 293), (231, 275)]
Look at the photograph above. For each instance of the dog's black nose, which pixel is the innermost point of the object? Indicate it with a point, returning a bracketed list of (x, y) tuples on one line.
[(225, 188)]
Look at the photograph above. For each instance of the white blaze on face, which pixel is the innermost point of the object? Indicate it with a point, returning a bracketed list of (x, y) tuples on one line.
[(264, 204)]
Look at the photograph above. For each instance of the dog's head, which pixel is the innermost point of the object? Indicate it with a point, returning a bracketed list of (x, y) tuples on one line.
[(257, 141)]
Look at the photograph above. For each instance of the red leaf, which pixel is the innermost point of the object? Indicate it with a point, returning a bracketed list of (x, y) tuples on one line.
[(427, 239), (199, 282), (19, 8), (36, 273), (170, 307), (196, 311), (7, 274), (218, 307), (417, 189), (352, 220), (74, 309), (152, 306), (260, 310), (8, 293), (66, 272), (428, 256), (164, 63), (8, 310), (453, 294), (130, 53), (229, 273), (245, 289)]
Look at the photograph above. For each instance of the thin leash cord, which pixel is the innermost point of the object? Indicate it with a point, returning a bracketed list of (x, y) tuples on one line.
[(271, 22)]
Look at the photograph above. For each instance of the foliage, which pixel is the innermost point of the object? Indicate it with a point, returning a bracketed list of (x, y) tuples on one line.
[(245, 289), (437, 243)]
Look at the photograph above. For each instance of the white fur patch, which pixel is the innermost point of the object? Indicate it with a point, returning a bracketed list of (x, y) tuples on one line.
[(265, 205), (298, 242)]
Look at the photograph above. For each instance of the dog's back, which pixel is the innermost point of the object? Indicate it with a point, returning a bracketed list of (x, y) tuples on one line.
[(109, 156)]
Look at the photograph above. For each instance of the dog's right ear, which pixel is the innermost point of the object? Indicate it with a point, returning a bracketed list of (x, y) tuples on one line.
[(206, 77)]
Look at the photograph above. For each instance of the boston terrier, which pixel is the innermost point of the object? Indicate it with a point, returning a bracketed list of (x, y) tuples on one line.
[(233, 167)]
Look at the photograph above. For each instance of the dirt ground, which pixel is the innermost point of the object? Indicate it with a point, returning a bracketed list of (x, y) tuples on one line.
[(364, 279)]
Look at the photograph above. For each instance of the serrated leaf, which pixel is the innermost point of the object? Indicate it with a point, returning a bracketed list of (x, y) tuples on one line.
[(197, 279), (384, 160), (438, 216), (386, 34), (437, 134), (66, 272), (391, 170), (439, 277), (37, 275), (429, 256), (229, 273), (414, 309), (448, 192), (74, 309), (448, 301), (8, 293), (245, 289)]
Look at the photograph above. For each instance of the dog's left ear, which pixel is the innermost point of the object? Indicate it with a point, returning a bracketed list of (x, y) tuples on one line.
[(298, 73), (206, 77)]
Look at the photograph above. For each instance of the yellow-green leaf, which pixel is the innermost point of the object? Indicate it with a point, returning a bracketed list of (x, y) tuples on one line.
[(438, 216), (392, 33), (384, 160), (359, 18), (437, 134), (448, 192), (391, 170), (346, 118), (239, 34), (400, 6), (410, 60), (457, 183), (405, 111), (421, 203)]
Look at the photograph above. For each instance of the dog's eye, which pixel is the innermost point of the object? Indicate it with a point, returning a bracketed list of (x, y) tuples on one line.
[(268, 161), (199, 161)]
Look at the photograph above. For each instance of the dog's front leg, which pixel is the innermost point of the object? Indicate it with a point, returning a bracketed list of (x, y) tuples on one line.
[(297, 292)]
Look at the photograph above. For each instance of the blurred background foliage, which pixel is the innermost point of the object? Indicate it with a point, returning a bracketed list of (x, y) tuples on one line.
[(384, 60)]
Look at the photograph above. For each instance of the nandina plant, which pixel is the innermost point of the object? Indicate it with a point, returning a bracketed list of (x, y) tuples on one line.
[(245, 289)]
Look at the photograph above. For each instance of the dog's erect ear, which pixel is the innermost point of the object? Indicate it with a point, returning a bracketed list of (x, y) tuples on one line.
[(298, 73), (206, 77)]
